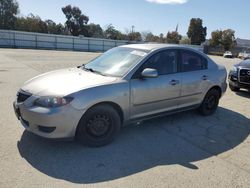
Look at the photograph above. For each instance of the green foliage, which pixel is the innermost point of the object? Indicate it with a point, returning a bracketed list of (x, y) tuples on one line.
[(135, 36), (196, 32), (225, 38), (53, 28), (173, 37), (216, 39), (228, 39), (161, 38), (150, 37), (8, 13), (76, 21), (112, 33), (185, 40), (94, 30), (31, 24)]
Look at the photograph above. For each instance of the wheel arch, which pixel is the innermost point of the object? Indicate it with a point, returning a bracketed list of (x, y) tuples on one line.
[(112, 104), (218, 88)]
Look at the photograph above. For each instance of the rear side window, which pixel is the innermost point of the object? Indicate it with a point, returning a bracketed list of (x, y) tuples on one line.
[(191, 61)]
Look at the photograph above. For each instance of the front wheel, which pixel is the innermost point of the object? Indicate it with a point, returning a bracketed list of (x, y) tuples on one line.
[(233, 88), (210, 103), (98, 126)]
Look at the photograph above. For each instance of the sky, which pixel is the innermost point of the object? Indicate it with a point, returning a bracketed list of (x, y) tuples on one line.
[(156, 16)]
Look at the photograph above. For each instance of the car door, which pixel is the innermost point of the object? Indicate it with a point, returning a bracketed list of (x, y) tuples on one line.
[(155, 95), (195, 78)]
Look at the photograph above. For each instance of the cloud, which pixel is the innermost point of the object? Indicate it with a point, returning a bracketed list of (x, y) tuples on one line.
[(168, 1)]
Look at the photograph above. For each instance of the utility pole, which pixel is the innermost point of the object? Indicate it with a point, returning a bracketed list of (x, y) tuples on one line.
[(132, 31), (133, 27)]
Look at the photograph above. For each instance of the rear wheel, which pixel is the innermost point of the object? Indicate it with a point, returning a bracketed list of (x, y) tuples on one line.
[(210, 103), (98, 126), (233, 88)]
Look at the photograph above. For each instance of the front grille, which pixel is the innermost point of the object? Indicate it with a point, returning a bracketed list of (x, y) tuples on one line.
[(244, 76), (22, 96)]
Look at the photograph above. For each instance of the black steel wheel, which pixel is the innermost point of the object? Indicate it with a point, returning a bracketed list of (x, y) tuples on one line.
[(210, 103), (98, 126), (233, 88)]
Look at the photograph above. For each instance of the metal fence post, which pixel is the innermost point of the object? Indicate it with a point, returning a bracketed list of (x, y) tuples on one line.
[(56, 42), (103, 49), (14, 35), (36, 41), (88, 46)]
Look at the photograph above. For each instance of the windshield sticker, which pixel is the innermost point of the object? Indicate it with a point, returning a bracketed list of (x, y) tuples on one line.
[(139, 53)]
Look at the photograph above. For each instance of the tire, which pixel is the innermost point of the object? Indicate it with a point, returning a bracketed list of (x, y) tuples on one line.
[(98, 126), (233, 88), (210, 103)]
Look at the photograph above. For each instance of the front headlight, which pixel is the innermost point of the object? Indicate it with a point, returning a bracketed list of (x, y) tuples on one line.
[(234, 69), (52, 102)]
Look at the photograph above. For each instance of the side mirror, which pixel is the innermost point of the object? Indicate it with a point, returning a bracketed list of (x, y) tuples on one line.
[(149, 73)]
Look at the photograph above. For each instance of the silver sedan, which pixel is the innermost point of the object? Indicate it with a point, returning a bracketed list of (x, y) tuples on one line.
[(126, 84)]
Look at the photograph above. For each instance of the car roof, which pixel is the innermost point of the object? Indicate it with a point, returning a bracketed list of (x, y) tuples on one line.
[(153, 46)]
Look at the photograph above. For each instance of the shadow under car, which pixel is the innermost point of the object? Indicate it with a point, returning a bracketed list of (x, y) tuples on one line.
[(177, 139)]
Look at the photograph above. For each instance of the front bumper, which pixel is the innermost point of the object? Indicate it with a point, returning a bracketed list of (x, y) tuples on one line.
[(234, 82), (56, 123)]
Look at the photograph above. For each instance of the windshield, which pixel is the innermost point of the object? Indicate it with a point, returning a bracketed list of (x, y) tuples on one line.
[(116, 62)]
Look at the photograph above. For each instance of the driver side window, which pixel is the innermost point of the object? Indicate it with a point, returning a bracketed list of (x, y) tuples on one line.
[(164, 62)]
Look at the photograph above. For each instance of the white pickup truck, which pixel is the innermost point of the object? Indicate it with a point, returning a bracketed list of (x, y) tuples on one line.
[(244, 55)]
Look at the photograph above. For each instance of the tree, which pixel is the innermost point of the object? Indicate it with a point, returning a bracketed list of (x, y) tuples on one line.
[(185, 40), (228, 39), (8, 12), (216, 38), (150, 37), (196, 32), (161, 38), (31, 23), (53, 28), (173, 37), (94, 30), (225, 38), (76, 21), (112, 33), (135, 36)]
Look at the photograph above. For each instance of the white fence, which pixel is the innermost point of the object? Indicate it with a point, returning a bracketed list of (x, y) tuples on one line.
[(19, 39)]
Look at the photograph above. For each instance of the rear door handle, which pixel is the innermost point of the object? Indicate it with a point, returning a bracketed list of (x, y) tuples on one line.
[(204, 77), (174, 82)]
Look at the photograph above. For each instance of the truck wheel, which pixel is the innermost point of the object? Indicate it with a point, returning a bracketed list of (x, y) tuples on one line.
[(233, 88)]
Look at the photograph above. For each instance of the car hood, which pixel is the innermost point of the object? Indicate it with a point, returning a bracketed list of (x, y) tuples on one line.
[(244, 64), (64, 82)]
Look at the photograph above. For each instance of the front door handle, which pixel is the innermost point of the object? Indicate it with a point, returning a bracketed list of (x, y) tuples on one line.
[(174, 82), (204, 77)]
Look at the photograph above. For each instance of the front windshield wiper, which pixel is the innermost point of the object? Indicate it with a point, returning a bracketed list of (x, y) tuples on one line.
[(92, 70)]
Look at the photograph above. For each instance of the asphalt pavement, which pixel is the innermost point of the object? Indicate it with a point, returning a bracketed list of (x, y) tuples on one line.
[(181, 150)]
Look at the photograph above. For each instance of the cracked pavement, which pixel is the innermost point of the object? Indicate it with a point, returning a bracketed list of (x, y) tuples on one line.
[(181, 150)]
